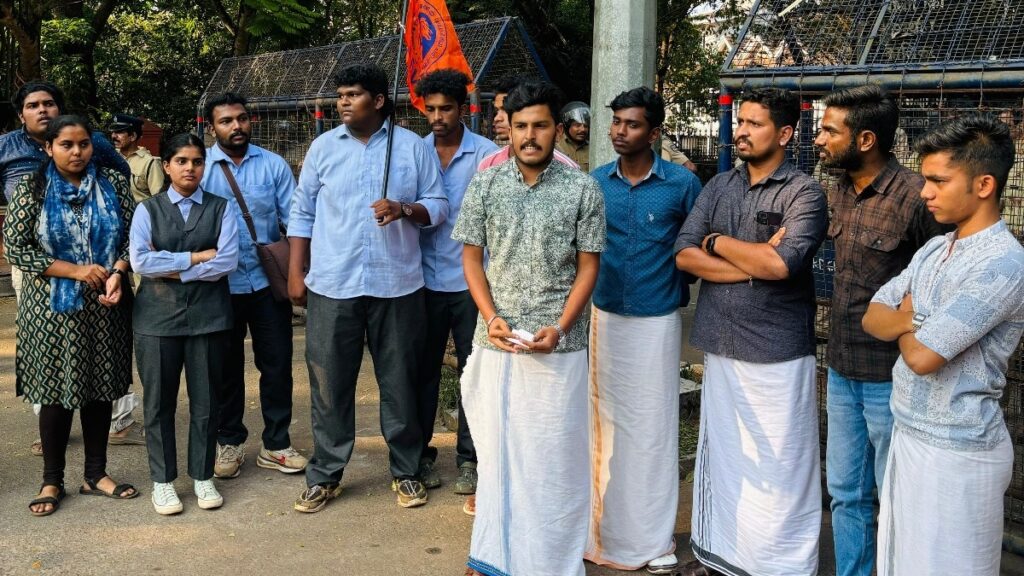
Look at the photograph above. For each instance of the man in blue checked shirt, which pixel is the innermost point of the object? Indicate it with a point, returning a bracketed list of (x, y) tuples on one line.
[(634, 352), (266, 183), (365, 280), (450, 308)]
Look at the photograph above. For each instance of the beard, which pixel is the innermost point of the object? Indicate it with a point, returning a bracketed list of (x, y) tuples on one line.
[(227, 144), (847, 160)]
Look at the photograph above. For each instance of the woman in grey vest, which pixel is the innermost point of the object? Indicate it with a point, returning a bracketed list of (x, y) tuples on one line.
[(183, 243), (67, 229)]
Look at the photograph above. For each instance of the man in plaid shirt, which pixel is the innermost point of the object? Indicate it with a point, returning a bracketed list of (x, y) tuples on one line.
[(878, 221)]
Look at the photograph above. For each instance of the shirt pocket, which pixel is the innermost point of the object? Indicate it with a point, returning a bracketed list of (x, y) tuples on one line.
[(402, 184), (877, 256)]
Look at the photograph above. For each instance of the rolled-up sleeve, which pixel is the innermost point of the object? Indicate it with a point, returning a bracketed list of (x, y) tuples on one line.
[(303, 209), (805, 221), (429, 191)]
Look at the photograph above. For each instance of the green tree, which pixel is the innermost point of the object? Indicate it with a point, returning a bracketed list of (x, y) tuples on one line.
[(250, 20), (158, 64)]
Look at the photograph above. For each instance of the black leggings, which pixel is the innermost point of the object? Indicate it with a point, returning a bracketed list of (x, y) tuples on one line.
[(54, 430)]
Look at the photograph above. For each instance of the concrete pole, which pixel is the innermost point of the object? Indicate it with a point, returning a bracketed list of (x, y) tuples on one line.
[(625, 50)]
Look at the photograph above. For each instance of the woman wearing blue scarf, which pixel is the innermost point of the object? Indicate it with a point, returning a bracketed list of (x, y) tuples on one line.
[(67, 229)]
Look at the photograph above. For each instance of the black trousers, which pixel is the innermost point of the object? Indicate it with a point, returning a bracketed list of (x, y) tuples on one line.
[(270, 324), (55, 429), (335, 332), (160, 360), (452, 313)]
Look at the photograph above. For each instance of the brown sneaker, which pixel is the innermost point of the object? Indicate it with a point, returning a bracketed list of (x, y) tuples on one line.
[(411, 493), (229, 461), (134, 435), (314, 498), (470, 506)]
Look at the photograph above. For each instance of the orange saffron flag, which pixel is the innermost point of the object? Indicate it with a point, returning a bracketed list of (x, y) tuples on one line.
[(431, 44)]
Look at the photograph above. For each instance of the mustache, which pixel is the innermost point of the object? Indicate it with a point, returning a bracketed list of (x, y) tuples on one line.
[(738, 140), (529, 143)]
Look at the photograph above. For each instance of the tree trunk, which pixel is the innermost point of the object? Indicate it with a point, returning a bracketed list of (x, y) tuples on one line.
[(243, 38), (25, 26)]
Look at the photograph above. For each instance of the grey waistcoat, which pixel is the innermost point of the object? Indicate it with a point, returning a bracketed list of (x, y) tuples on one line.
[(168, 307)]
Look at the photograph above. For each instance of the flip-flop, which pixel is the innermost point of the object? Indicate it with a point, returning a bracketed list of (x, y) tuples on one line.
[(54, 501), (117, 494)]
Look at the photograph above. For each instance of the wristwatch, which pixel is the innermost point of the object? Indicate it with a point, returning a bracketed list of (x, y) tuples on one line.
[(917, 320), (406, 209)]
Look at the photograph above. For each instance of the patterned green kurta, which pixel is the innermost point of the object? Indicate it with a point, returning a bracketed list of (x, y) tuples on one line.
[(67, 359)]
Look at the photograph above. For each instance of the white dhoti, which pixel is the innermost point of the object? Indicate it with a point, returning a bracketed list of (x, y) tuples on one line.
[(942, 509), (528, 414), (634, 437), (757, 487)]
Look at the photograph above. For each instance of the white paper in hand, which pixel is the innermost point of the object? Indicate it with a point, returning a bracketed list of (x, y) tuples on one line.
[(521, 337)]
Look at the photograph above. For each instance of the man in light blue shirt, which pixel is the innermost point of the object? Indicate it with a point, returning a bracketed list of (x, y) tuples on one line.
[(365, 280), (266, 183), (450, 308), (957, 313)]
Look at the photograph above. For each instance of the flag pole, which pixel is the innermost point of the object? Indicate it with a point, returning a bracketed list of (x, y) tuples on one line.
[(394, 99)]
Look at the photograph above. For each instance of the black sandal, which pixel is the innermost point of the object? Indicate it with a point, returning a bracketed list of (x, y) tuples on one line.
[(117, 494), (53, 501)]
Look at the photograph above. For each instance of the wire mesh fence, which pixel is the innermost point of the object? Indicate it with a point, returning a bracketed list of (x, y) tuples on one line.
[(919, 113), (841, 33), (291, 94)]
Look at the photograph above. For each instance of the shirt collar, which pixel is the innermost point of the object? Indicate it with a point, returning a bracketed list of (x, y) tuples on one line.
[(216, 154), (657, 170), (31, 141), (880, 185), (467, 146), (176, 198), (546, 173), (780, 174), (978, 238), (343, 132)]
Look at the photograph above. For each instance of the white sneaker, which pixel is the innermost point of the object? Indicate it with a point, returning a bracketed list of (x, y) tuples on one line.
[(663, 564), (287, 460), (207, 493), (228, 463), (165, 499)]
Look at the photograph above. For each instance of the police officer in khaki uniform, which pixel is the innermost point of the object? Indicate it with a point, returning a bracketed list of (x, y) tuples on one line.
[(147, 173)]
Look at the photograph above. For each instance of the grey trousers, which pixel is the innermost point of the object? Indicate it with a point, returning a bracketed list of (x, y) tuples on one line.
[(160, 360), (335, 331)]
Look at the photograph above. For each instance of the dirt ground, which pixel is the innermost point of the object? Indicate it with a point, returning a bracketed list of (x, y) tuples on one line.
[(256, 532)]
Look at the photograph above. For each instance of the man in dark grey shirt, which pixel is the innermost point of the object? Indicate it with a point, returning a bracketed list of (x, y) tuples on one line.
[(750, 238)]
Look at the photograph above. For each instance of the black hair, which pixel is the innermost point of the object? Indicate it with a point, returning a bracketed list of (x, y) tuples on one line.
[(642, 97), (783, 106), (371, 77), (53, 129), (870, 108), (18, 98), (506, 84), (450, 83), (533, 93), (174, 145), (981, 144), (224, 99)]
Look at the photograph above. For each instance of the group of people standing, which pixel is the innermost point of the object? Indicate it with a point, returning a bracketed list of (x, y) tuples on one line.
[(560, 290)]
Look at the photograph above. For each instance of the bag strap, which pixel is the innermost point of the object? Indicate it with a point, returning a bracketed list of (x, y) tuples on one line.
[(241, 201)]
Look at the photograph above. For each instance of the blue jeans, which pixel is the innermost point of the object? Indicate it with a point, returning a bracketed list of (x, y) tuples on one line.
[(859, 429)]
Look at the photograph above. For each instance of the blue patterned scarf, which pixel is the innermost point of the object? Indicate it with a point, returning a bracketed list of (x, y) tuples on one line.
[(90, 237)]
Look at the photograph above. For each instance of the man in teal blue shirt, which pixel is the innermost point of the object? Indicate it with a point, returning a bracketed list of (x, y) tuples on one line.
[(266, 183), (635, 353)]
